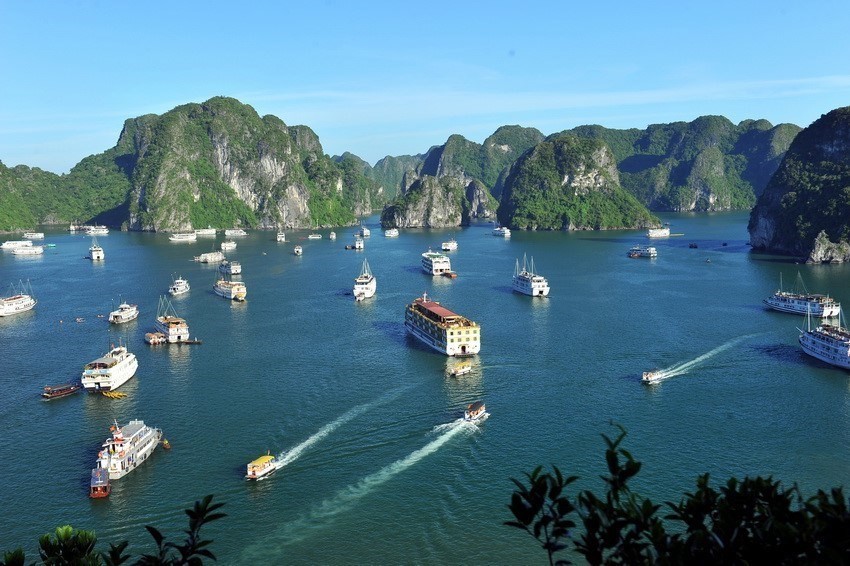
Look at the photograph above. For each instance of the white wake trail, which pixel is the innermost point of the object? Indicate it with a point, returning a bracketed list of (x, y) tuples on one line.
[(683, 367), (289, 456)]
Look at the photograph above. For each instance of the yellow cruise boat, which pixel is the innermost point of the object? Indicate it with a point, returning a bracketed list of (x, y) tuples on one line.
[(262, 467), (438, 327)]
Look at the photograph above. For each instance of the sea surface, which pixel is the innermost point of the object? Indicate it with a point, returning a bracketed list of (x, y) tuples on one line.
[(378, 468)]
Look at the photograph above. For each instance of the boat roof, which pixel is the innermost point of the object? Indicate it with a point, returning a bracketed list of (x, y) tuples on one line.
[(475, 406), (437, 309), (262, 460), (99, 477)]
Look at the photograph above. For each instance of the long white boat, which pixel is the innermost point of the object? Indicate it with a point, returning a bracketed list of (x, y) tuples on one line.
[(441, 329), (98, 230), (332, 236), (642, 251), (168, 323), (210, 257), (828, 343), (183, 237), (658, 232), (33, 235), (233, 290), (230, 232), (124, 313), (208, 231), (501, 231), (364, 232), (449, 245), (527, 282), (391, 233), (13, 244), (435, 263), (19, 300), (179, 286), (127, 448), (228, 245), (804, 303), (365, 284), (110, 371), (28, 250)]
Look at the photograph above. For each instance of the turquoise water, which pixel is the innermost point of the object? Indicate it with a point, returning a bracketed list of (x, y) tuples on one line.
[(378, 470)]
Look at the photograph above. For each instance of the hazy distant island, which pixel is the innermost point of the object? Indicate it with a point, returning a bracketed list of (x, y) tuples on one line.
[(219, 163)]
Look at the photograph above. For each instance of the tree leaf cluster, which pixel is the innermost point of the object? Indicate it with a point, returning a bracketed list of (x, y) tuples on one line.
[(749, 521)]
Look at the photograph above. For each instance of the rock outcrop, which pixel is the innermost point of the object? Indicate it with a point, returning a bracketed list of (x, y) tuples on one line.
[(569, 183), (429, 202), (805, 206)]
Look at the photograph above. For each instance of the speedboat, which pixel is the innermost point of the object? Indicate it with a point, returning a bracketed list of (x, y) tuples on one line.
[(125, 313), (179, 287), (228, 245), (475, 412), (298, 250), (261, 468), (652, 376)]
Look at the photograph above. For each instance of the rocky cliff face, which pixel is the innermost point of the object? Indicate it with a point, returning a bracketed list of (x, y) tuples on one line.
[(705, 165), (805, 209), (569, 183), (429, 202)]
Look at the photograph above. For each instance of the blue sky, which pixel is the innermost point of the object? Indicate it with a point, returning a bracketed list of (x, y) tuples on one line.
[(392, 78)]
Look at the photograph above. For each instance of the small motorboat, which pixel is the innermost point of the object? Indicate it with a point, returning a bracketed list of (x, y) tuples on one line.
[(262, 467), (99, 486), (475, 412), (652, 376), (298, 250), (56, 391), (165, 444), (460, 369)]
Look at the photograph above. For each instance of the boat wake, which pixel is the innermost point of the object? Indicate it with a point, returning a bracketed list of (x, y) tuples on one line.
[(684, 367), (347, 497), (287, 457)]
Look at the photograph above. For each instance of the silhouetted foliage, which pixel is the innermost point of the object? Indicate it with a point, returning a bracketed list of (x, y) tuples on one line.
[(749, 521)]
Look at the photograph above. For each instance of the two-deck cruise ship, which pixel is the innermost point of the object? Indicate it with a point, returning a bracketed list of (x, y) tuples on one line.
[(230, 232), (110, 371), (828, 343), (183, 237), (168, 323), (19, 300), (233, 290), (527, 282), (658, 232), (804, 303), (230, 267), (365, 285), (435, 263), (129, 446), (441, 329), (208, 231), (124, 313)]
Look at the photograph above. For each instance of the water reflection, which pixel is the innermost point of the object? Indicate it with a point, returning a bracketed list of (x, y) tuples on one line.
[(463, 389)]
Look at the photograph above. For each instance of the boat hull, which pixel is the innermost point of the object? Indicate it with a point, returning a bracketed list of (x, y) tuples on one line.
[(460, 351), (16, 305), (803, 307), (111, 379), (836, 354)]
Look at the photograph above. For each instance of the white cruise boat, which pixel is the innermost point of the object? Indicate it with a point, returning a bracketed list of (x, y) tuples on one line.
[(233, 290), (208, 231), (183, 237), (228, 245), (314, 236), (332, 236), (124, 313), (127, 448), (261, 468), (358, 243), (110, 371), (643, 251), (230, 232), (475, 412), (800, 301), (20, 299), (435, 263), (28, 250), (391, 233), (364, 232), (365, 284), (658, 232), (298, 250), (527, 282), (210, 257), (281, 236), (501, 231), (828, 343), (168, 323), (179, 287), (441, 329), (13, 244), (33, 235), (96, 252), (449, 246), (230, 267), (97, 230)]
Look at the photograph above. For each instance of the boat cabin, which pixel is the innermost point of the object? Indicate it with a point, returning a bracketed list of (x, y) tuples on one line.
[(474, 411), (99, 483)]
